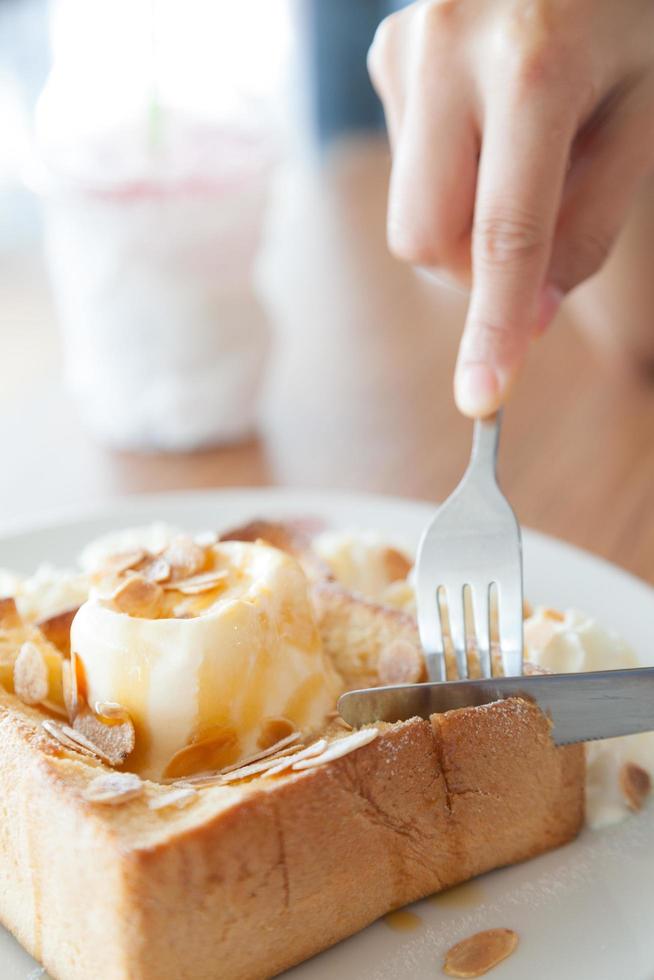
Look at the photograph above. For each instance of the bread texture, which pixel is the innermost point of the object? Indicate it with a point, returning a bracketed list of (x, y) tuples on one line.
[(253, 879), (257, 876)]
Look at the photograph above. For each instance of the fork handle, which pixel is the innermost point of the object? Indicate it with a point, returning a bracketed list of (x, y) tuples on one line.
[(485, 440)]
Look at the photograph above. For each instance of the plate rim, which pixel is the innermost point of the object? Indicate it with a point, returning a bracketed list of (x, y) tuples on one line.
[(104, 508)]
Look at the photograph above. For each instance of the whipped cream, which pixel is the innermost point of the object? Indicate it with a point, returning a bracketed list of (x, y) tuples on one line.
[(48, 592), (365, 562), (246, 656), (575, 642)]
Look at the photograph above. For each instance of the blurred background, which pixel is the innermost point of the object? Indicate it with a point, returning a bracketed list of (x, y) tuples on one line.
[(195, 289)]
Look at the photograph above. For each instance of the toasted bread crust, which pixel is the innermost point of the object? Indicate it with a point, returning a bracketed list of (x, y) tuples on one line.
[(252, 880), (255, 877)]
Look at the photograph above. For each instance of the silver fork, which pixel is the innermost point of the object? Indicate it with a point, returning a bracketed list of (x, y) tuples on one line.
[(472, 543)]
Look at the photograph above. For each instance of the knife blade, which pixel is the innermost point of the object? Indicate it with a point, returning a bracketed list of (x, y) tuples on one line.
[(581, 707)]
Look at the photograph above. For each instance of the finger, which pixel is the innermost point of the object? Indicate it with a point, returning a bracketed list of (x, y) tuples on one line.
[(387, 68), (432, 188), (599, 189), (521, 173)]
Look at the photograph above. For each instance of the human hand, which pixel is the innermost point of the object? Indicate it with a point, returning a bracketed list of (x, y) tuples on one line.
[(520, 131)]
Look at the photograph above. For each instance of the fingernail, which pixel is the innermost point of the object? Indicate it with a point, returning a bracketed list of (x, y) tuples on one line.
[(477, 390), (551, 298)]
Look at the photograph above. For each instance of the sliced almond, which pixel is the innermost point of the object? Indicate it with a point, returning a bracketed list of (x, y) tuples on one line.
[(198, 584), (339, 722), (636, 785), (208, 753), (399, 663), (30, 674), (240, 770), (317, 748), (478, 954), (264, 753), (156, 569), (340, 747), (185, 557), (219, 778), (56, 629), (396, 565), (554, 615), (123, 561), (111, 712), (114, 740), (113, 788), (273, 730), (70, 739), (73, 684), (244, 772), (179, 797), (9, 616), (138, 597)]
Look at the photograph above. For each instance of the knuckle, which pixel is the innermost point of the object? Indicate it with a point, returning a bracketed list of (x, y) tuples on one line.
[(436, 16), (435, 28), (386, 33), (535, 67), (384, 43), (535, 48), (507, 237)]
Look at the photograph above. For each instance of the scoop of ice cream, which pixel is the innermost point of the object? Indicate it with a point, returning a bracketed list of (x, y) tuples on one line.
[(220, 665)]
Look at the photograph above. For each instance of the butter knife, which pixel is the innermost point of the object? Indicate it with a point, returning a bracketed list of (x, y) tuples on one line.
[(581, 707)]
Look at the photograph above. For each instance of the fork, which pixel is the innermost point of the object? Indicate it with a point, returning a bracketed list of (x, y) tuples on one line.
[(472, 546)]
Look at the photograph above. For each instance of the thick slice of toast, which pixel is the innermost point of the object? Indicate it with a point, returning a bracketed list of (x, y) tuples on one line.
[(253, 879)]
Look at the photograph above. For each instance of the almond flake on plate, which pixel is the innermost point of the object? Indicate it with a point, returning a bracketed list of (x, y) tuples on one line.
[(635, 784), (113, 788), (339, 748), (316, 749), (476, 955), (31, 674), (178, 797)]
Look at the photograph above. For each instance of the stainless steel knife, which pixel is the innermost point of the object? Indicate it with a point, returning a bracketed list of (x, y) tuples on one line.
[(582, 707)]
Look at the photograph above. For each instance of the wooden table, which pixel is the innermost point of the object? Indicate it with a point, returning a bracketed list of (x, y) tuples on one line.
[(359, 390)]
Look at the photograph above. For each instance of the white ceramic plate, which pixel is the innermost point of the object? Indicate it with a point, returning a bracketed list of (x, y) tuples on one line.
[(583, 912)]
